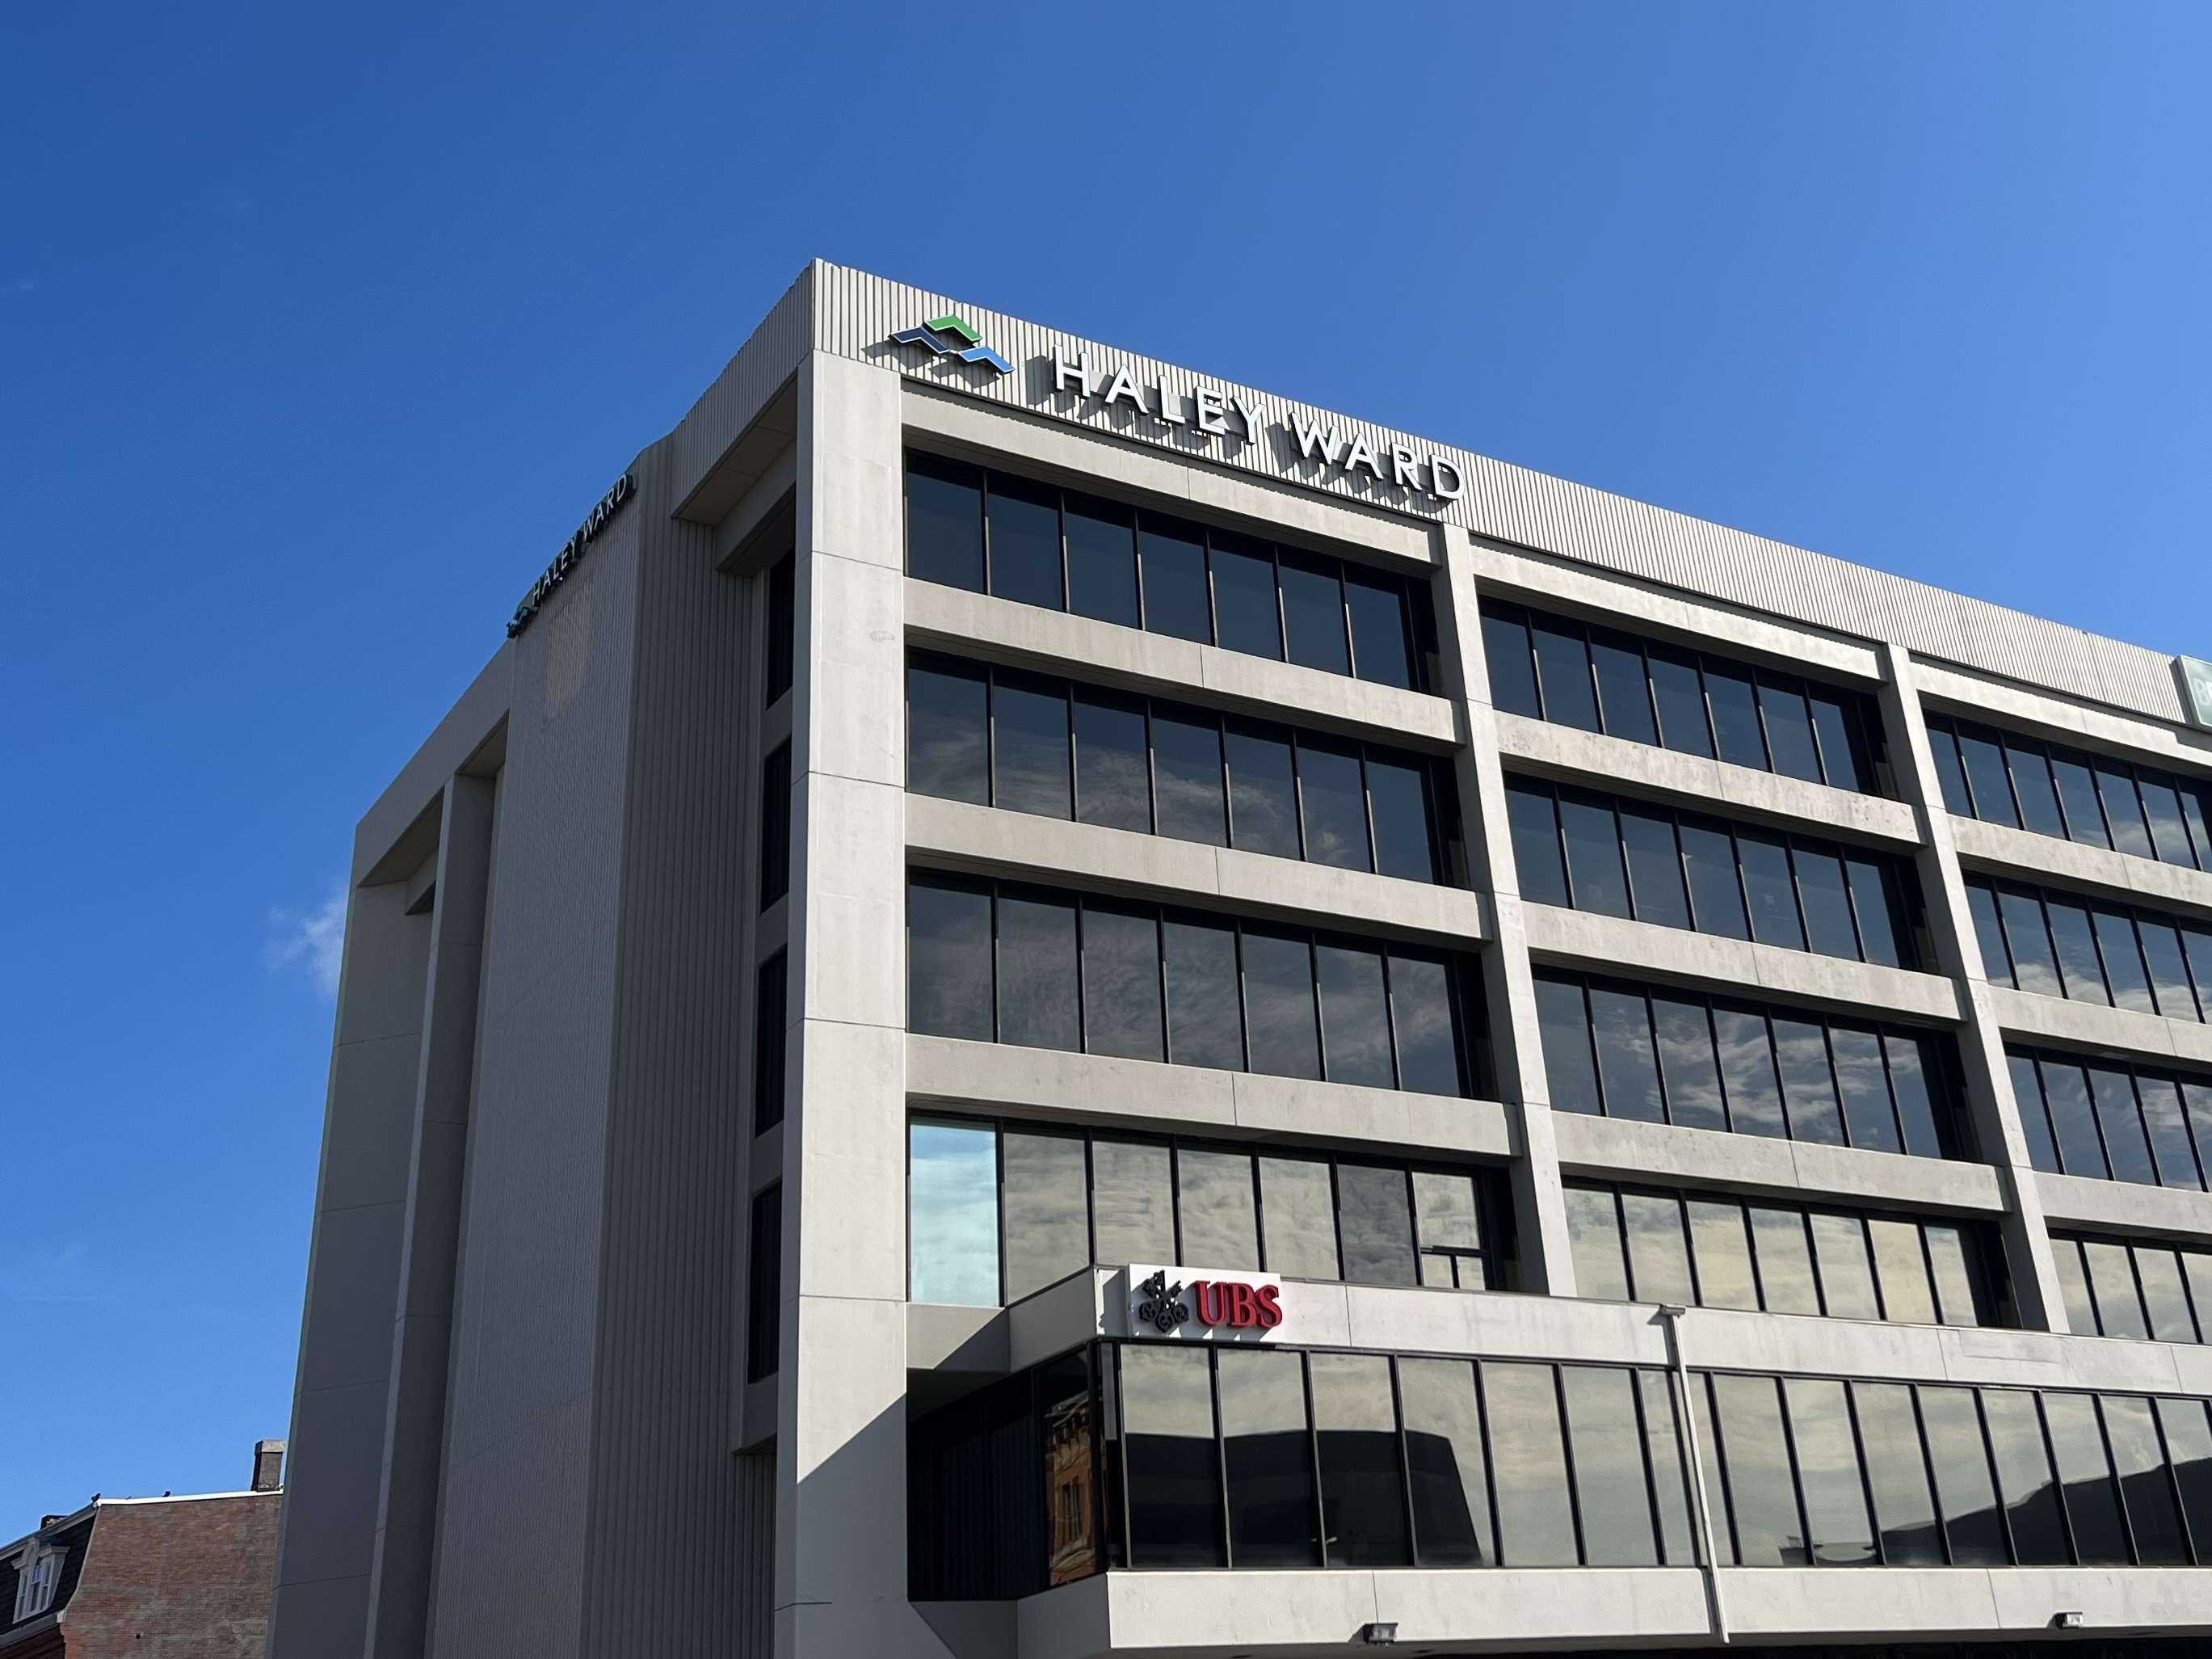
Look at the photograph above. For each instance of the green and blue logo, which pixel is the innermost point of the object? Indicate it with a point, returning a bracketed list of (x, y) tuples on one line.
[(950, 336)]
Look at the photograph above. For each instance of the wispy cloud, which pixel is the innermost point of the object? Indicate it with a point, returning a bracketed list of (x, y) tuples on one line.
[(44, 1275), (312, 940)]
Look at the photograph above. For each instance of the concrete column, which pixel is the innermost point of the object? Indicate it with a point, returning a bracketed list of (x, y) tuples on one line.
[(1539, 1211), (326, 1543), (1989, 1100), (422, 1332), (841, 1417)]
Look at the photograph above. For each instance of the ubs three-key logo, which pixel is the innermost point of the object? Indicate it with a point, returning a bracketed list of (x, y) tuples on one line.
[(950, 336)]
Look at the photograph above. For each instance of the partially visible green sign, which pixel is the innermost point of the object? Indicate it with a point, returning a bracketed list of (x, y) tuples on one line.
[(2196, 676)]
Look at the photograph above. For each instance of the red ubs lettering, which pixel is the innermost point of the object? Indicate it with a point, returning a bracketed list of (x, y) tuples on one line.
[(1238, 1306)]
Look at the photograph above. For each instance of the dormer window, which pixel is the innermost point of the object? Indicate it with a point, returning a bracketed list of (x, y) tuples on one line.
[(37, 1571)]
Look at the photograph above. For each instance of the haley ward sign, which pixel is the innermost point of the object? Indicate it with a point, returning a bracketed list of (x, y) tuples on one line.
[(571, 551), (1209, 411)]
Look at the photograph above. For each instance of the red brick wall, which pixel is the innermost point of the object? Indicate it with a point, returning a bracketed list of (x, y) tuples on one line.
[(189, 1579)]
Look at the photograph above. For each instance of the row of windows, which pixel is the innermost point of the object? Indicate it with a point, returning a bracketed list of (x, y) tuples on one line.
[(992, 532), (1709, 1063), (2114, 1123), (1625, 858), (2058, 944), (1003, 737), (996, 961), (1214, 1455), (2143, 1290), (2000, 777), (997, 1213), (1556, 669), (1820, 1473), (1667, 1246), (1266, 1457), (764, 1284)]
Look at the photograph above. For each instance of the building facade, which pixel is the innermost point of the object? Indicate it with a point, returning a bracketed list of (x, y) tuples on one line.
[(1043, 1006), (165, 1578)]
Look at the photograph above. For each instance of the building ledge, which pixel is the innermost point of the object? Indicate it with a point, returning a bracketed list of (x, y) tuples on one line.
[(2118, 1031), (1001, 630), (1565, 753), (1146, 1095), (960, 835), (1643, 950), (2020, 855)]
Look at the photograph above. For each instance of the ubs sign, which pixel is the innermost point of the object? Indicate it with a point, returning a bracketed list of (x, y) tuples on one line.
[(1162, 1305)]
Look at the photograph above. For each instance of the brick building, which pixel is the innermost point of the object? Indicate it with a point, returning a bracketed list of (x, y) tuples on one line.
[(152, 1577)]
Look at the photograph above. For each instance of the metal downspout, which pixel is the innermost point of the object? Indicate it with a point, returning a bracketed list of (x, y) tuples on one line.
[(1708, 1558)]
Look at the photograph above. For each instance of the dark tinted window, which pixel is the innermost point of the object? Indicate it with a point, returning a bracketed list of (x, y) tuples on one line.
[(1535, 1516), (1397, 795), (1206, 1024), (1534, 818), (1838, 1528), (1512, 669), (1735, 716), (1102, 560), (775, 825), (1687, 1065), (2077, 797), (1263, 791), (1785, 1261), (1375, 1226), (1987, 777), (1046, 1199), (2023, 1464), (1944, 744), (2122, 810), (1173, 1484), (1808, 1084), (2033, 966), (1843, 747), (764, 1285), (1839, 1247), (1761, 1494), (1746, 1055), (949, 960), (1863, 1081), (1355, 1016), (1176, 599), (1122, 981), (1825, 903), (1131, 1202), (1298, 1215), (1268, 1459), (1363, 1482), (1113, 774), (1594, 1230), (1593, 859), (1447, 1470), (1716, 887), (1607, 1439), (1971, 1521), (1186, 773), (1680, 694), (770, 993), (2085, 1475), (1570, 1068), (2066, 1093), (1025, 531), (2125, 1144), (1278, 1004), (1244, 608), (1624, 691), (1789, 728), (2140, 1463), (1621, 1022), (1903, 1505), (1332, 803), (1380, 649), (783, 628), (1313, 613), (948, 732), (1030, 747), (1039, 1006), (1215, 1209), (1767, 885), (2032, 788), (1563, 669), (944, 522), (1654, 867)]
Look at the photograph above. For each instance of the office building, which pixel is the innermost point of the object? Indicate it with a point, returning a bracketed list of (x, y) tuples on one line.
[(1042, 1006)]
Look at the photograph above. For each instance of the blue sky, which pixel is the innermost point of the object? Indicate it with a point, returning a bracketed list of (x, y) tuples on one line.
[(319, 330)]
